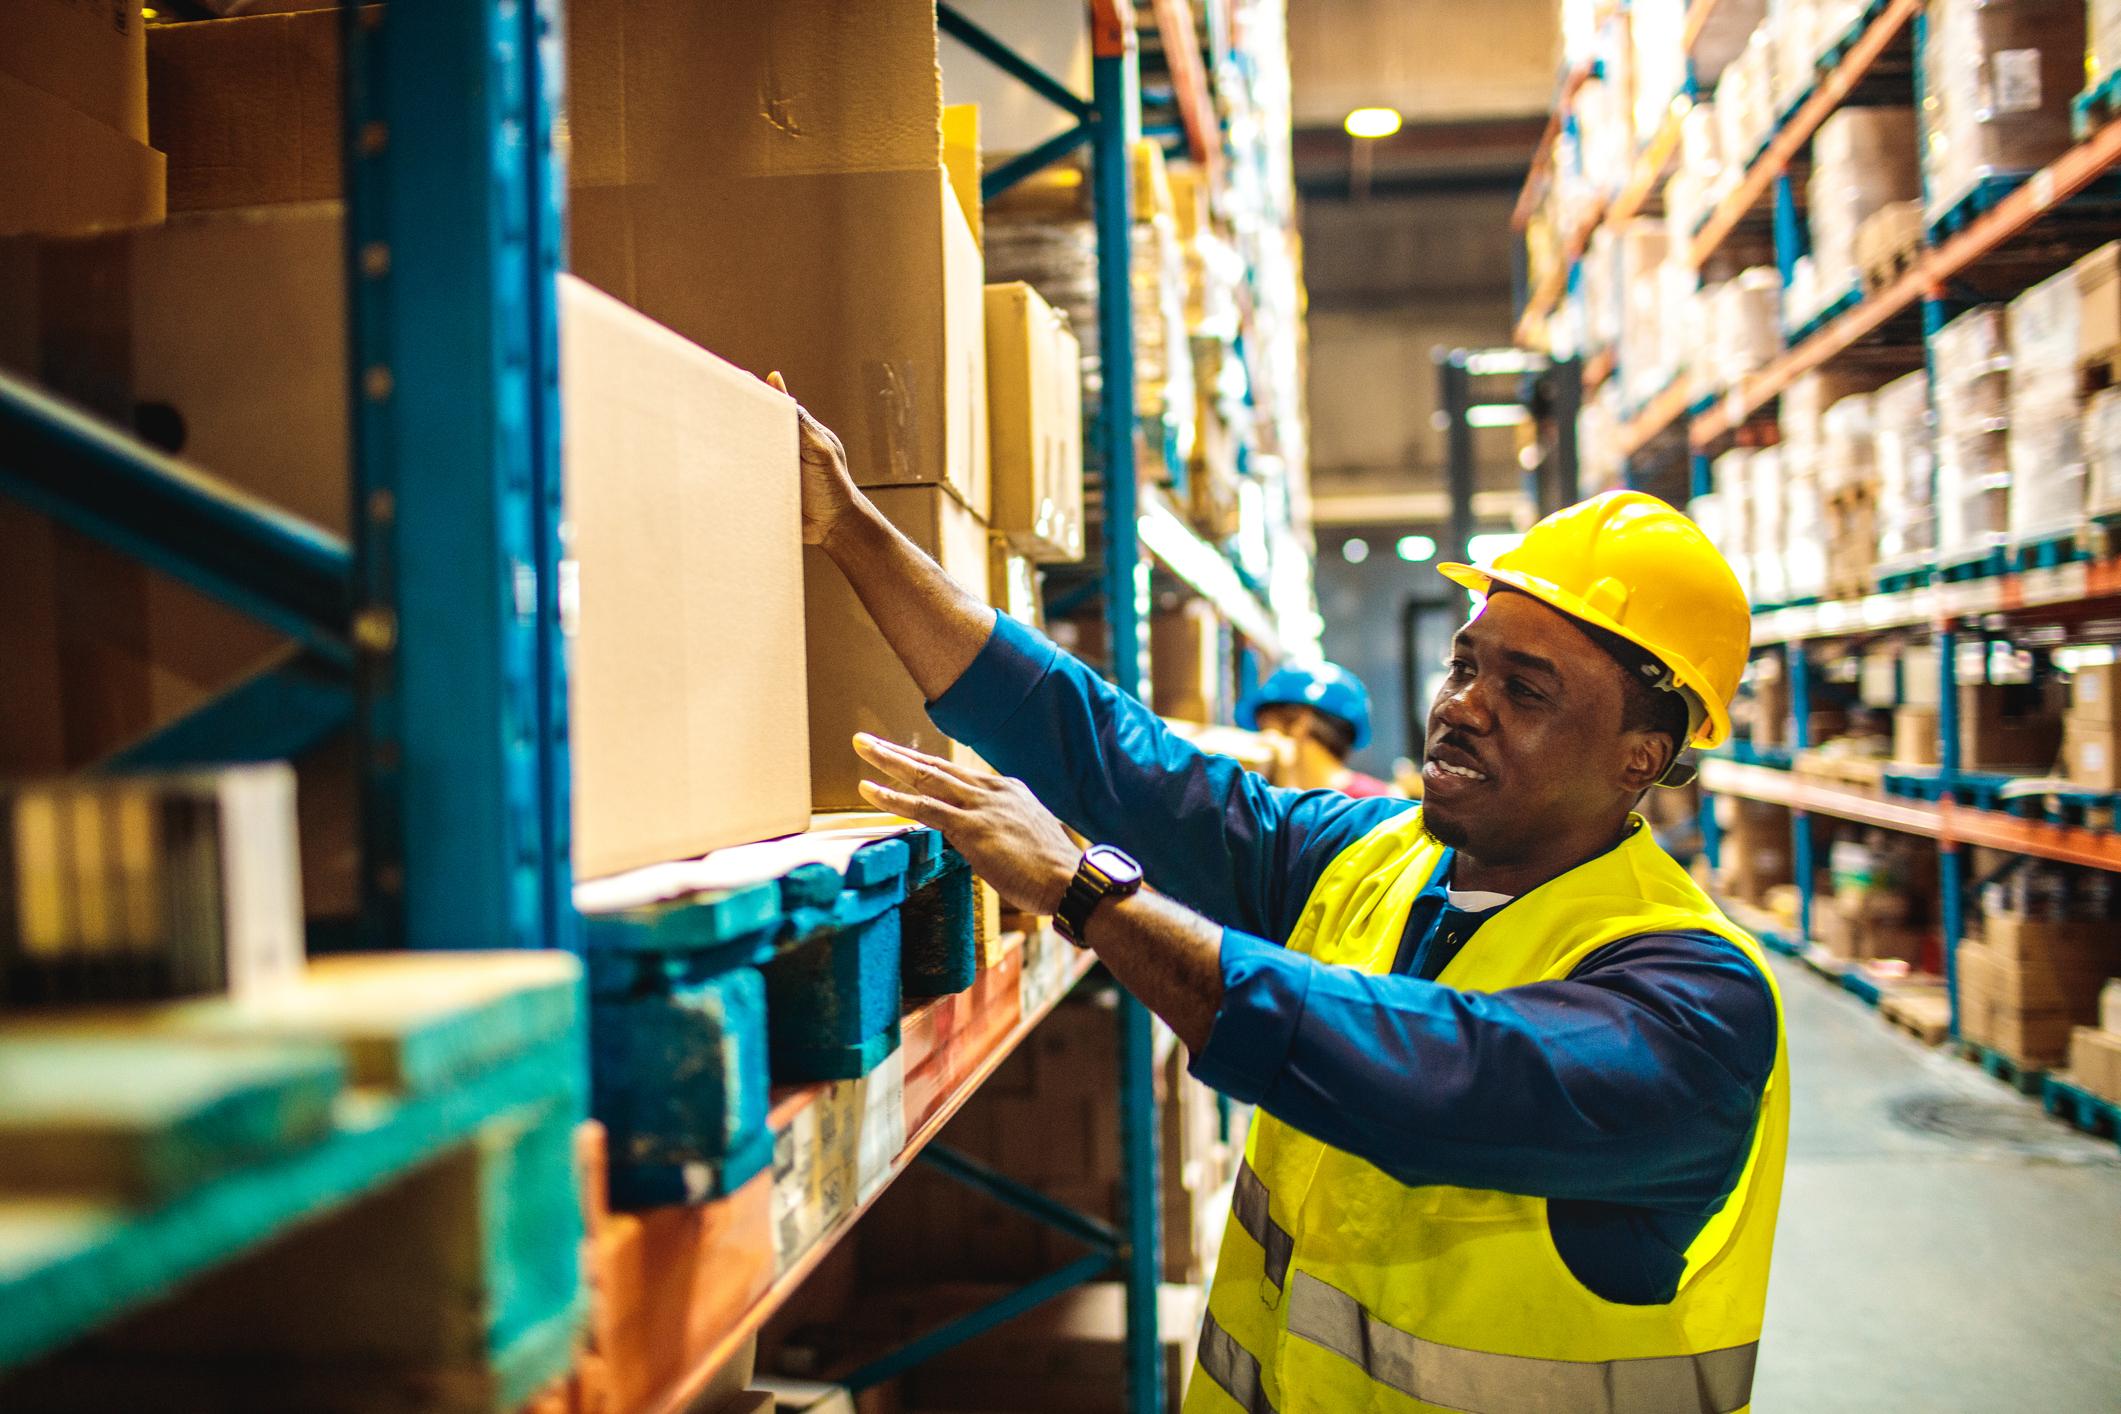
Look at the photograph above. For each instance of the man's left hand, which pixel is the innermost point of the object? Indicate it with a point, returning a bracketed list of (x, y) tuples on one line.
[(1010, 840)]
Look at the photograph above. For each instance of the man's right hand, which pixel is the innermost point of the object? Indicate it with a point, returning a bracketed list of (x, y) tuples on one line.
[(829, 495)]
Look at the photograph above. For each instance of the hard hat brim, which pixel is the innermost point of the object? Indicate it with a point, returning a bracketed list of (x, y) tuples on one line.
[(1716, 724)]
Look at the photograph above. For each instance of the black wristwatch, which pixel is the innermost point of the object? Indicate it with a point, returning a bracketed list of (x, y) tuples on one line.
[(1104, 873)]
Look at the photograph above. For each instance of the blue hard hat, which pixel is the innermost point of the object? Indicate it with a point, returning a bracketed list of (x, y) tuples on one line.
[(1323, 687)]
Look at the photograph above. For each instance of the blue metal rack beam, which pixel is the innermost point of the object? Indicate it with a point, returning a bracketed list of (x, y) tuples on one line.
[(109, 485)]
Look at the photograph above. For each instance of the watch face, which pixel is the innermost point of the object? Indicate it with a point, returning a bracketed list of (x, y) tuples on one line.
[(1115, 864)]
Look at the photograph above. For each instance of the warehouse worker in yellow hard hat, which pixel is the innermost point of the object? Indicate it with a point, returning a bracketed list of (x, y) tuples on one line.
[(1522, 1097)]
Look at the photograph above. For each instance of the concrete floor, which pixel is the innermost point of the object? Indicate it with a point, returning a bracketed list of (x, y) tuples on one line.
[(1944, 1246)]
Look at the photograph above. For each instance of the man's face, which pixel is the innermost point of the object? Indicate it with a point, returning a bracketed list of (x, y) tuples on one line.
[(1525, 734), (1286, 719)]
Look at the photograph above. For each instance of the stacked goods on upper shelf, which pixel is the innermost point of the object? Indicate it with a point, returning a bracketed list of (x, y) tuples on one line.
[(1848, 474), (1189, 654), (804, 147), (1657, 59), (1742, 329), (1998, 78), (2095, 1051), (1811, 481), (1745, 101), (1969, 371), (2099, 359), (1163, 358), (2047, 947), (1767, 502), (2045, 448), (2102, 58), (1701, 176), (73, 102), (168, 885), (1734, 516), (2088, 732), (1900, 418), (1863, 159), (1034, 425), (1643, 352)]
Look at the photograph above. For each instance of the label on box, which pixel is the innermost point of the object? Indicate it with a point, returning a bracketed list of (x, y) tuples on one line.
[(835, 1155), (2093, 754), (2016, 82)]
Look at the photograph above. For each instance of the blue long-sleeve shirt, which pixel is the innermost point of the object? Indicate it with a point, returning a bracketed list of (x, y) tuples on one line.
[(1625, 1094)]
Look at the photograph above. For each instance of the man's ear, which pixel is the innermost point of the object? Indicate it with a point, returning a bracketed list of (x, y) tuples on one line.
[(1645, 756)]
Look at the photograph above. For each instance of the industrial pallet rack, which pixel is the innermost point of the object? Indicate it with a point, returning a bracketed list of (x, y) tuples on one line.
[(2000, 245), (434, 633)]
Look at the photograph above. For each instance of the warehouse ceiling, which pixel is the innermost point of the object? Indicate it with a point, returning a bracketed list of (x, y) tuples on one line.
[(1407, 244)]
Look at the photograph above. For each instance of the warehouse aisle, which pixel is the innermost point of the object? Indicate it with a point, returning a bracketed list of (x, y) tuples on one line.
[(1944, 1246)]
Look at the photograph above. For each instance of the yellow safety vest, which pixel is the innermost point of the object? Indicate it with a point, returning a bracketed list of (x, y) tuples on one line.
[(1340, 1289)]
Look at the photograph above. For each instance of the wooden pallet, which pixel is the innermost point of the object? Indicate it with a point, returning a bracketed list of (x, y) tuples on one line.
[(420, 1248), (1923, 1012)]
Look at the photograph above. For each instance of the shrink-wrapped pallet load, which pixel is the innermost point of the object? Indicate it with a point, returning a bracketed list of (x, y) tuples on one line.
[(1999, 76)]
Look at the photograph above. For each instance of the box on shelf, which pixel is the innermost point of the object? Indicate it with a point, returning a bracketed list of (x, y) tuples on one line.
[(132, 887), (1013, 584), (90, 57), (817, 234), (2088, 752), (2051, 944), (857, 684), (234, 328), (2102, 452), (1992, 737), (1863, 161), (1188, 651), (248, 109), (2095, 1062), (682, 488), (1915, 736), (2026, 1010), (2095, 696), (2045, 445), (2000, 76), (61, 170), (2098, 280), (2110, 1005), (1755, 851), (1034, 424)]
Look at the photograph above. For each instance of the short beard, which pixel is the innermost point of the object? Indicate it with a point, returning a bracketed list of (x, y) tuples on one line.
[(1449, 837)]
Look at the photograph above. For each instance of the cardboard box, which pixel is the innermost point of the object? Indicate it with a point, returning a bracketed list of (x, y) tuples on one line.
[(1013, 584), (61, 170), (681, 486), (1035, 424), (2110, 1005), (1187, 656), (2090, 756), (1915, 736), (249, 109), (2095, 1061), (2051, 941), (1991, 739), (857, 684), (91, 55), (2099, 303), (1754, 854), (2095, 695), (816, 233)]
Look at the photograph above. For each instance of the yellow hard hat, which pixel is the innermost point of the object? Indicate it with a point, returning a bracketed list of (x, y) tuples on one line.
[(1631, 565)]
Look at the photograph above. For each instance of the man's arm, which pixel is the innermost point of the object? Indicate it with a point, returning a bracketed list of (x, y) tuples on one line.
[(1205, 830), (1634, 1080), (933, 623)]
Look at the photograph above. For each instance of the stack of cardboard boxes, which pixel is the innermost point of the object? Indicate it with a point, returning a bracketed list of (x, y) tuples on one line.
[(2088, 744), (1754, 853), (833, 247), (1879, 909), (2009, 727), (2047, 946)]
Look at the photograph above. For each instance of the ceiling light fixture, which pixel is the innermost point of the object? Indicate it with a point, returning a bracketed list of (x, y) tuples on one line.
[(1372, 122)]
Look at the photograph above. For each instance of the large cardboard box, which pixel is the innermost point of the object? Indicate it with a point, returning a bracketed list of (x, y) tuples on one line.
[(768, 180), (2099, 303), (2095, 1061), (248, 109), (2082, 943), (91, 55), (1035, 424), (61, 170), (682, 490), (2090, 756), (1755, 852), (857, 684), (1915, 736), (1992, 737), (2095, 696), (1188, 652)]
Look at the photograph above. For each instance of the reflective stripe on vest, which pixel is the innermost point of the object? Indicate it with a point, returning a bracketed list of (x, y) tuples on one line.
[(1233, 1367), (1714, 1382), (1248, 1204)]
